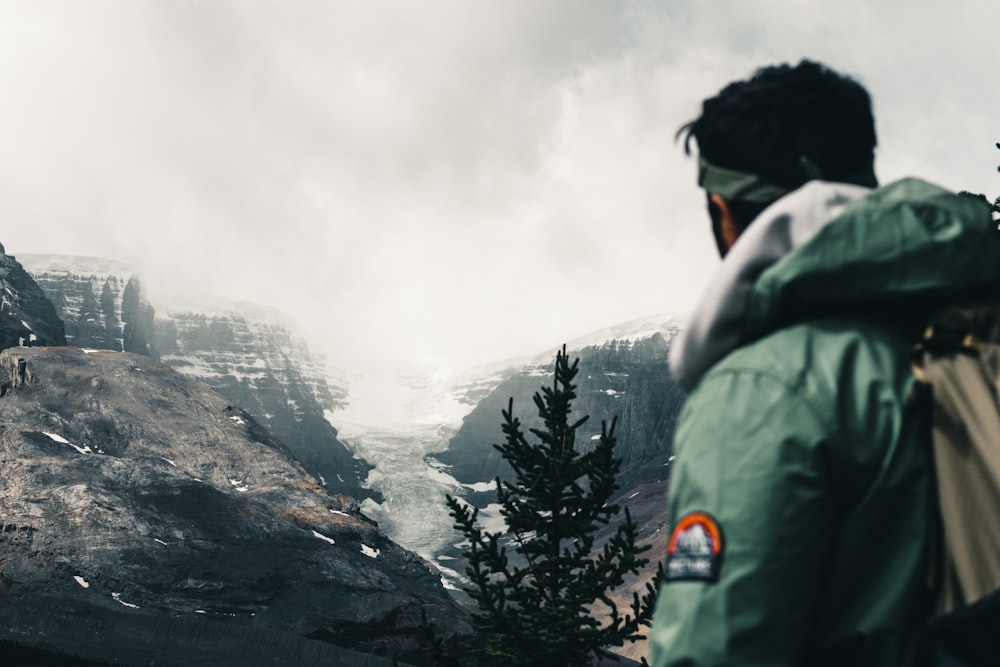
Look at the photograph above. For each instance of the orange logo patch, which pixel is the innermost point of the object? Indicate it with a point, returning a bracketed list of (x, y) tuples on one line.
[(694, 552)]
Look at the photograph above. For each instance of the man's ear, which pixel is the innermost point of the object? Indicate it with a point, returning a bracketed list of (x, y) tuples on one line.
[(729, 228)]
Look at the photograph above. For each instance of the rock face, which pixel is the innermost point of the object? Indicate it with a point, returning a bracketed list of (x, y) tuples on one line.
[(624, 378), (100, 302), (251, 355), (248, 353), (141, 516), (27, 317)]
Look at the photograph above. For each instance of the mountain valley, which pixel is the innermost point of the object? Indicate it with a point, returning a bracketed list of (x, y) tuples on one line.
[(372, 456)]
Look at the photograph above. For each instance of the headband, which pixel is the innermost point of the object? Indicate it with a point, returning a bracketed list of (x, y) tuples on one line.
[(743, 186)]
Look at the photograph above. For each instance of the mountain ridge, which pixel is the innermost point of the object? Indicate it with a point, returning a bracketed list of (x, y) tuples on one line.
[(250, 353)]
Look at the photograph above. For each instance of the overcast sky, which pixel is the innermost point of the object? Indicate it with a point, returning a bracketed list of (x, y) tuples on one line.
[(437, 180)]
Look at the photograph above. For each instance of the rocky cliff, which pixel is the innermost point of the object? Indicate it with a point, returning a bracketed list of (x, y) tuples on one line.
[(100, 301), (253, 356), (248, 353), (623, 377), (27, 317), (143, 517)]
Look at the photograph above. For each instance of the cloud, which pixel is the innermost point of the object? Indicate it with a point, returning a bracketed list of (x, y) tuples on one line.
[(434, 179)]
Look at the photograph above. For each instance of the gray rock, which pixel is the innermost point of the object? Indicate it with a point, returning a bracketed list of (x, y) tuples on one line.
[(253, 356), (624, 378), (100, 301), (248, 353), (129, 489)]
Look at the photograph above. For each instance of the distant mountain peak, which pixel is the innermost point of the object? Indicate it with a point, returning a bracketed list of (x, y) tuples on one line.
[(76, 264), (666, 324)]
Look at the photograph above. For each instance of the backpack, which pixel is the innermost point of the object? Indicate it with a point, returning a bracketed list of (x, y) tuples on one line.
[(959, 362)]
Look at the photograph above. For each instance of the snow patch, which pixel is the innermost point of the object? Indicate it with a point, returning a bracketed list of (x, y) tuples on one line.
[(236, 419), (441, 477), (156, 539), (63, 441), (492, 520), (481, 487), (239, 486), (369, 551), (323, 537), (83, 582), (26, 325), (450, 577), (437, 474), (118, 599), (169, 461), (340, 513), (87, 350)]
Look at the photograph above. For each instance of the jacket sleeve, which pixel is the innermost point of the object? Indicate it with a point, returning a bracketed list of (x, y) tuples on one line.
[(750, 455)]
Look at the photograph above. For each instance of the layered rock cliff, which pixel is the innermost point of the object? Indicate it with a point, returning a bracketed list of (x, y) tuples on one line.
[(253, 356), (246, 352), (27, 317), (145, 517), (100, 301), (624, 377)]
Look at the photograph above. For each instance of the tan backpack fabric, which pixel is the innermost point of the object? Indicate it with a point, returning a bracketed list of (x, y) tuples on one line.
[(959, 359)]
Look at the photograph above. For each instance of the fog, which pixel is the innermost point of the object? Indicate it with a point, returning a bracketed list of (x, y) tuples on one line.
[(436, 182)]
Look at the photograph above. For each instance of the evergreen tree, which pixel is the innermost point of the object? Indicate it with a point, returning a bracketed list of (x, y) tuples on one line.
[(995, 206), (549, 603)]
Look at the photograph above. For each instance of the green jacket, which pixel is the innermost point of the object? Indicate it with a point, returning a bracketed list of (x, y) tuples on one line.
[(801, 495)]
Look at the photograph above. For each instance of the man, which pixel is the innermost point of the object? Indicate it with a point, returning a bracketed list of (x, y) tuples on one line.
[(801, 499)]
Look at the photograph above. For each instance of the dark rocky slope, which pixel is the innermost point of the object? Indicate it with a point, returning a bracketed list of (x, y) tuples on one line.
[(142, 515), (26, 315), (252, 355)]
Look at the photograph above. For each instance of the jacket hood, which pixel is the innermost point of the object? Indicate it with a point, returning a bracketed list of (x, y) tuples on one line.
[(831, 247)]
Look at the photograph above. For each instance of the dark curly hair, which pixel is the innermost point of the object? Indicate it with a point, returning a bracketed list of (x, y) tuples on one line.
[(788, 125)]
